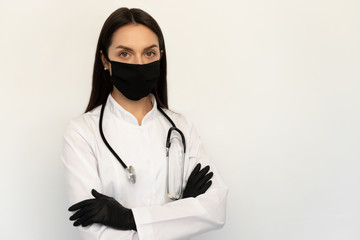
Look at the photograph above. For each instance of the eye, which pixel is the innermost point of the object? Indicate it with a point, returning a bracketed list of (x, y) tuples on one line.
[(124, 54), (150, 54)]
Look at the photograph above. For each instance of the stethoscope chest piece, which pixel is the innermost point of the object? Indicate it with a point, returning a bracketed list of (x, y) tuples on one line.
[(131, 174)]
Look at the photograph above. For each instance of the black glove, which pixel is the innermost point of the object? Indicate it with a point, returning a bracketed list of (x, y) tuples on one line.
[(104, 210), (198, 182)]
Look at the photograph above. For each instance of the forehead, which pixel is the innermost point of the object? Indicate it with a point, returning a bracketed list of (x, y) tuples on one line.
[(134, 36)]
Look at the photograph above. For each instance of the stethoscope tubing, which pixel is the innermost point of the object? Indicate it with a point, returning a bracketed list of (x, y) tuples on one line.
[(168, 142), (104, 139)]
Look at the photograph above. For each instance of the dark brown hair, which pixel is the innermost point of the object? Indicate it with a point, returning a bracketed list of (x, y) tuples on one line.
[(102, 85)]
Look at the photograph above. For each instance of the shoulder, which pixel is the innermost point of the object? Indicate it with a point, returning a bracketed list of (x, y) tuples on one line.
[(183, 123), (85, 124), (179, 119)]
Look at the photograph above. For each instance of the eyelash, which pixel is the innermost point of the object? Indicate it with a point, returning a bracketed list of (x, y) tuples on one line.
[(121, 54), (153, 54)]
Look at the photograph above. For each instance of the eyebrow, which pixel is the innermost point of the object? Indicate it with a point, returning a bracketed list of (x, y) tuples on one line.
[(131, 50)]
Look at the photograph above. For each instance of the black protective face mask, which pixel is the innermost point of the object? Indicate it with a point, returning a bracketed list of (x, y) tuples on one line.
[(135, 81)]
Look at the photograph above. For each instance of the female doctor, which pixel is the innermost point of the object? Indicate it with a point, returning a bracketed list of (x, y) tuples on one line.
[(134, 169)]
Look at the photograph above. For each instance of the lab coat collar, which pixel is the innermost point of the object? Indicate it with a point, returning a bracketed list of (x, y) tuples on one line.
[(116, 109)]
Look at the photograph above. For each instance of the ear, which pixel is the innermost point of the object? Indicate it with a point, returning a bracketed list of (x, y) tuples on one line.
[(105, 62), (161, 53)]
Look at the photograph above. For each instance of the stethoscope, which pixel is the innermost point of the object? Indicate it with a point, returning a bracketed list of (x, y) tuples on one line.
[(131, 170)]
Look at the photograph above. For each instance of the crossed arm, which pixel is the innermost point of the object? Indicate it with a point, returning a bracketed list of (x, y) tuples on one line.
[(106, 210), (201, 209)]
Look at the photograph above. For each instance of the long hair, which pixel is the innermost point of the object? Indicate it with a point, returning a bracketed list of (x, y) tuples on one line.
[(101, 83)]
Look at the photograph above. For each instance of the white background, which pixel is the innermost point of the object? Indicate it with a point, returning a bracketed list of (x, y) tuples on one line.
[(273, 87)]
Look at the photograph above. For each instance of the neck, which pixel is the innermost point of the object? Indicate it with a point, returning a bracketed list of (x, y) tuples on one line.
[(137, 108)]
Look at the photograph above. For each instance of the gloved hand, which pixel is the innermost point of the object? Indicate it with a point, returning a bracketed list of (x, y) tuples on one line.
[(104, 210), (198, 182)]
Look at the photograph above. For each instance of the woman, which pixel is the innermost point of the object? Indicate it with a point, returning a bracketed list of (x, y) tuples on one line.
[(133, 167)]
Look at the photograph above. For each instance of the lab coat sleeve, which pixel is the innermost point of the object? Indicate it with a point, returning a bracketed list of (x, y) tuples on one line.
[(185, 218), (81, 174)]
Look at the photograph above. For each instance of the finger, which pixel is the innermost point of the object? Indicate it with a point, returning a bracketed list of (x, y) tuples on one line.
[(195, 171), (205, 187), (83, 219), (80, 204), (205, 179), (87, 222), (201, 174), (87, 217), (81, 212), (97, 194)]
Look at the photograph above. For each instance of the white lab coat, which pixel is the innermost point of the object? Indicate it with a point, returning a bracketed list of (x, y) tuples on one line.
[(90, 165)]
